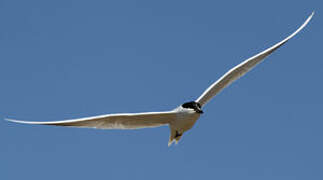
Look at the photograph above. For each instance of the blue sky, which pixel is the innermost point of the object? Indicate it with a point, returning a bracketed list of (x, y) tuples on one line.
[(70, 59)]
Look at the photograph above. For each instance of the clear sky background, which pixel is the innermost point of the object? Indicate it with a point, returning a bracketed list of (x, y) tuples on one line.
[(73, 58)]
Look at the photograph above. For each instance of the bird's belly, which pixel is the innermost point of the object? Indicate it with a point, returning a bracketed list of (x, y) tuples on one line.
[(186, 121)]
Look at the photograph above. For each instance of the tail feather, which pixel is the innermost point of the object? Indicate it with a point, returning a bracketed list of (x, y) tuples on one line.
[(174, 136)]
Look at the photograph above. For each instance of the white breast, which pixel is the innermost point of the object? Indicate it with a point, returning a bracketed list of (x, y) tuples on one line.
[(185, 120)]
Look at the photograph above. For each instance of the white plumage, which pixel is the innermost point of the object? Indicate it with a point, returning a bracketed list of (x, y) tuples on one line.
[(180, 119)]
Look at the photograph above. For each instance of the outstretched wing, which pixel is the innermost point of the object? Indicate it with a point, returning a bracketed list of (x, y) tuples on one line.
[(241, 69), (115, 121)]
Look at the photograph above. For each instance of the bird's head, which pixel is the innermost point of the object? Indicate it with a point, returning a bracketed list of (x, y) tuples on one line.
[(193, 105)]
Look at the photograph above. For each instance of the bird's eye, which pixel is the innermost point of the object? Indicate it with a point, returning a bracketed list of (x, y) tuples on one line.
[(199, 105)]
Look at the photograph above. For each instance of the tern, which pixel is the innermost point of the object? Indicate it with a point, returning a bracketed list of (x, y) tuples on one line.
[(180, 119)]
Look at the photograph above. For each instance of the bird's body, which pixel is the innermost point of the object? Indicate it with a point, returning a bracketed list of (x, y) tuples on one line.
[(185, 120), (180, 119)]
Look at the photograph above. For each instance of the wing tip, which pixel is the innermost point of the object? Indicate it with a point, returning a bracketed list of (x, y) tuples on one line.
[(9, 120), (312, 14), (310, 17), (18, 121)]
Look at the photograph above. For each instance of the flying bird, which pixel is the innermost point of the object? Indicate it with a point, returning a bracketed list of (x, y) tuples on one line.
[(180, 119)]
